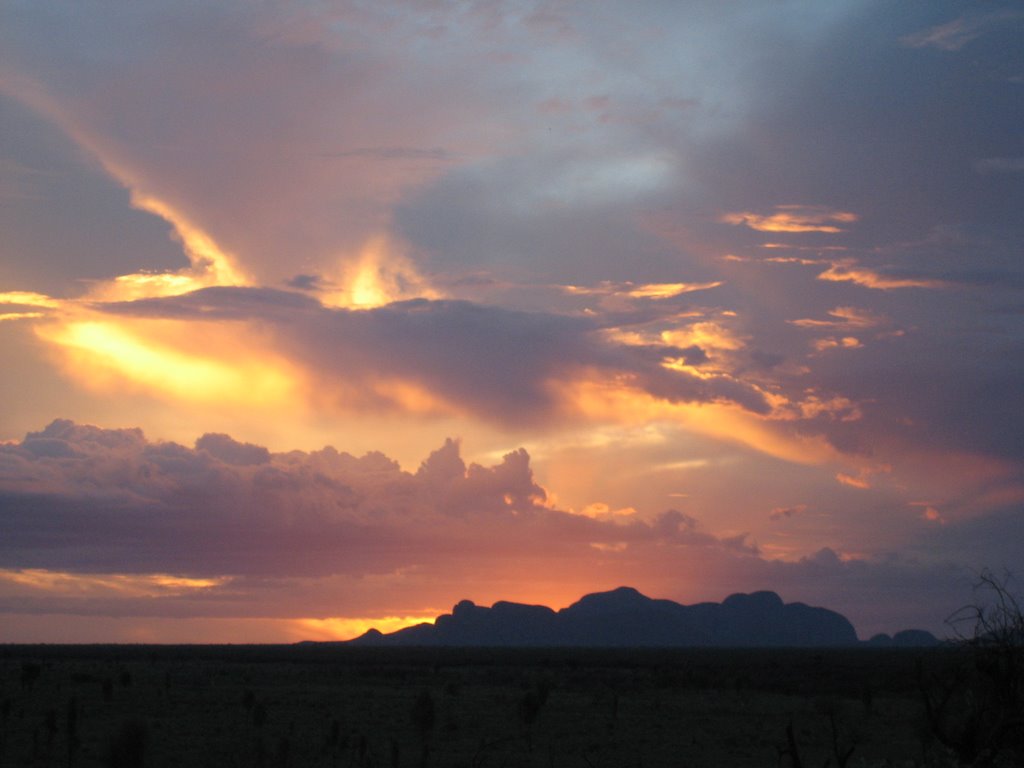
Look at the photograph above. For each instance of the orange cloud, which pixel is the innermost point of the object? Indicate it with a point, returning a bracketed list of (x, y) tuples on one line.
[(616, 401), (66, 583), (847, 271), (157, 356), (929, 512), (706, 335), (37, 301), (862, 478), (640, 290), (853, 482), (843, 317), (29, 299), (378, 276), (792, 218), (846, 342)]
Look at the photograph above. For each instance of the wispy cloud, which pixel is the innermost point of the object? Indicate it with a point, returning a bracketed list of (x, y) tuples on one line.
[(1000, 165), (781, 513), (640, 291), (793, 218), (843, 317), (851, 272), (955, 34)]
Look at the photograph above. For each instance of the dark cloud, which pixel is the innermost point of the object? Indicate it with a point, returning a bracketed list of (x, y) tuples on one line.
[(305, 282), (867, 124), (95, 500), (307, 533), (497, 362), (58, 209)]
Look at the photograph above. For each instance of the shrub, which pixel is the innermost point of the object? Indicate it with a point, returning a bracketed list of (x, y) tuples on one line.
[(975, 707)]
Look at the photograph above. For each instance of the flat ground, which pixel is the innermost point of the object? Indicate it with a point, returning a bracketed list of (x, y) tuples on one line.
[(299, 706)]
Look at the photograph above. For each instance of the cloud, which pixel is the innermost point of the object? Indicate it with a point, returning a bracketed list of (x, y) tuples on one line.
[(1000, 165), (641, 291), (80, 499), (495, 363), (105, 522), (843, 317), (846, 342), (780, 513), (954, 35), (850, 271), (793, 218), (428, 181), (231, 451)]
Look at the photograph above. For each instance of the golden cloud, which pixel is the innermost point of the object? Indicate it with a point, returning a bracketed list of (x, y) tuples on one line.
[(848, 271), (792, 218)]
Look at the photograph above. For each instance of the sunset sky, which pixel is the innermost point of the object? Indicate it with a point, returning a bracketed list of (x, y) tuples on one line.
[(316, 316)]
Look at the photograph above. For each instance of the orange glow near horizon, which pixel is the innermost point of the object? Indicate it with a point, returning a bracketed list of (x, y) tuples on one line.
[(337, 628)]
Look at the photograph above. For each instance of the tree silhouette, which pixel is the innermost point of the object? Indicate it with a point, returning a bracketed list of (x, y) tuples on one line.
[(975, 706)]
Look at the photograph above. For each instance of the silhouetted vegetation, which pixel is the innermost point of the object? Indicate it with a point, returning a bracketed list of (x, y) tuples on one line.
[(327, 705), (128, 745), (975, 706)]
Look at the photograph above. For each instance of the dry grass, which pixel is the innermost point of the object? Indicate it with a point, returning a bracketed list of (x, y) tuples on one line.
[(331, 706)]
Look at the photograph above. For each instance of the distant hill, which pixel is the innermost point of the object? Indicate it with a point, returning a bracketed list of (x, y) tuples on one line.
[(625, 618)]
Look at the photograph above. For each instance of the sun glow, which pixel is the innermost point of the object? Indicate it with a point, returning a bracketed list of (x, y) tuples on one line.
[(29, 299), (101, 352), (210, 265), (347, 628), (379, 276)]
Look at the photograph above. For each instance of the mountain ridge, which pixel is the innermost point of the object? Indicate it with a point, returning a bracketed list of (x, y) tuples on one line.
[(624, 617)]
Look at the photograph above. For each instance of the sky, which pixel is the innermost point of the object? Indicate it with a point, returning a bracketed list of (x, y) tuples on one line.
[(317, 316)]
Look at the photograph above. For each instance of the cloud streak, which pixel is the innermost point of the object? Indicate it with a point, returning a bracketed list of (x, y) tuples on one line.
[(498, 363)]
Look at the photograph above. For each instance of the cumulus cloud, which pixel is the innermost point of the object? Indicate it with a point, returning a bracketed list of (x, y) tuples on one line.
[(77, 498), (104, 521)]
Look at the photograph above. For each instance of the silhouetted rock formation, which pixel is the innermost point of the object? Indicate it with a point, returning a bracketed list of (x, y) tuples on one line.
[(908, 638), (625, 618)]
